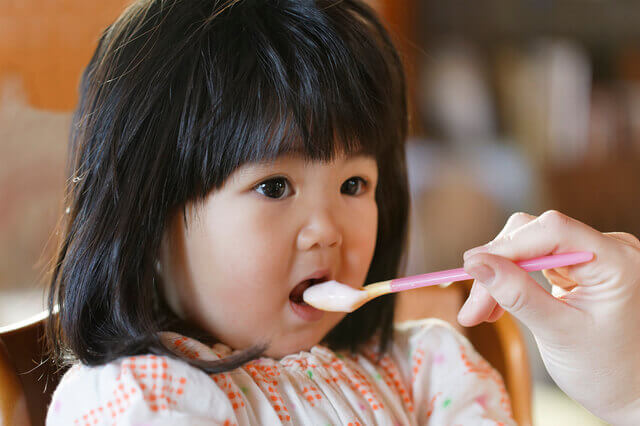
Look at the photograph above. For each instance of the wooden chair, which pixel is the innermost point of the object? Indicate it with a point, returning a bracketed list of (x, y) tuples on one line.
[(27, 380)]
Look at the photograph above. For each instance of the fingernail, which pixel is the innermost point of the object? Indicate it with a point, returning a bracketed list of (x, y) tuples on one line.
[(480, 249), (466, 309), (481, 272)]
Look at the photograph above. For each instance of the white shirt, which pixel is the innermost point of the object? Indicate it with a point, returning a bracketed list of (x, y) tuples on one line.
[(430, 376)]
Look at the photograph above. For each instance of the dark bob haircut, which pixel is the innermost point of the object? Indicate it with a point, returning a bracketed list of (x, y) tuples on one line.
[(177, 95)]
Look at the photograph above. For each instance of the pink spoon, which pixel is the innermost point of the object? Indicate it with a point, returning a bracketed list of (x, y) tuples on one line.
[(334, 296)]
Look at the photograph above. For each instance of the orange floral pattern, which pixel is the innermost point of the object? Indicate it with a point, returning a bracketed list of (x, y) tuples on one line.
[(429, 375), (144, 378)]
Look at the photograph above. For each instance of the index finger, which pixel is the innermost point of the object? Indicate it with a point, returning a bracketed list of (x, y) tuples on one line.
[(550, 233), (480, 306)]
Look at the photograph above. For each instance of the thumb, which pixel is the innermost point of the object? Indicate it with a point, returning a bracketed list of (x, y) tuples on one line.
[(519, 294)]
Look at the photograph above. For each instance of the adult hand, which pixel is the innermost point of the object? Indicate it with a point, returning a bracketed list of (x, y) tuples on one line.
[(588, 329)]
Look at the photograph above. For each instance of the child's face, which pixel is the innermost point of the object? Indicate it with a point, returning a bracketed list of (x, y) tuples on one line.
[(232, 270)]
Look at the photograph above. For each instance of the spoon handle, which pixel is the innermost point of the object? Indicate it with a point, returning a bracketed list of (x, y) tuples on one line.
[(452, 275)]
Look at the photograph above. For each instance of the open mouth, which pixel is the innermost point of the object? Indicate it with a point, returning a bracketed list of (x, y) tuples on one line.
[(296, 294)]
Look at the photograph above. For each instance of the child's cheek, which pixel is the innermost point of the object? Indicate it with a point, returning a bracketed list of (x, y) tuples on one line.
[(257, 265), (361, 239)]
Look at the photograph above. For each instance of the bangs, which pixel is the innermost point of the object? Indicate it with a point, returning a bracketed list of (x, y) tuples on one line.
[(270, 81)]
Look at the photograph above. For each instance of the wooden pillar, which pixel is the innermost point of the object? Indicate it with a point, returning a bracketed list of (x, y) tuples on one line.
[(401, 18)]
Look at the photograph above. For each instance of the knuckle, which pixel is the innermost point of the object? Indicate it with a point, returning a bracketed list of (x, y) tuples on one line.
[(554, 220), (517, 219), (631, 252), (514, 302), (632, 239), (520, 217)]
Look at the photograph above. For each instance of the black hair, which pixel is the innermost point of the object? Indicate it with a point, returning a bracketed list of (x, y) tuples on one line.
[(180, 93)]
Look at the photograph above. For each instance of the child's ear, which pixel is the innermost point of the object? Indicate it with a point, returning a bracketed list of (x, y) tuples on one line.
[(164, 268), (161, 263), (162, 252)]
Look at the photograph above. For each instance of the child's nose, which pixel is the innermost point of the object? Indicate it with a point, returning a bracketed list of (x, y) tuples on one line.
[(321, 231)]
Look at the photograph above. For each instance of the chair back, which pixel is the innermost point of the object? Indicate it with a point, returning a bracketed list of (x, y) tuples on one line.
[(27, 377)]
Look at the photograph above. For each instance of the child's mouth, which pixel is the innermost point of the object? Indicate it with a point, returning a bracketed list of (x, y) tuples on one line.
[(299, 306), (296, 294)]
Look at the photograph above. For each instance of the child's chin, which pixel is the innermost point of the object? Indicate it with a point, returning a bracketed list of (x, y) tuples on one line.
[(301, 338), (283, 349)]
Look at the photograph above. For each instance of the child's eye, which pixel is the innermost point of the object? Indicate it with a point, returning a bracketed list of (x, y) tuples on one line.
[(278, 187), (353, 186)]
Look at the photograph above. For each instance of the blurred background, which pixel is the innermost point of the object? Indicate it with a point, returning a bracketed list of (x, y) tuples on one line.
[(519, 105)]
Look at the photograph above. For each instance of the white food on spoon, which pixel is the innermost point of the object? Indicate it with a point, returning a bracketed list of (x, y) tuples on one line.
[(334, 296)]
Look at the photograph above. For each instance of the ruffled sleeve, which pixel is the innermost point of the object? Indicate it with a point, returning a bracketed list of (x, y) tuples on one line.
[(451, 384)]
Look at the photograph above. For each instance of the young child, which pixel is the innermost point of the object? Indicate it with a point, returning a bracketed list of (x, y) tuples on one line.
[(226, 155)]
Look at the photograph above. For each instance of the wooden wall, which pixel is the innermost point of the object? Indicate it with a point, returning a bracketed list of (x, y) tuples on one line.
[(47, 43)]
